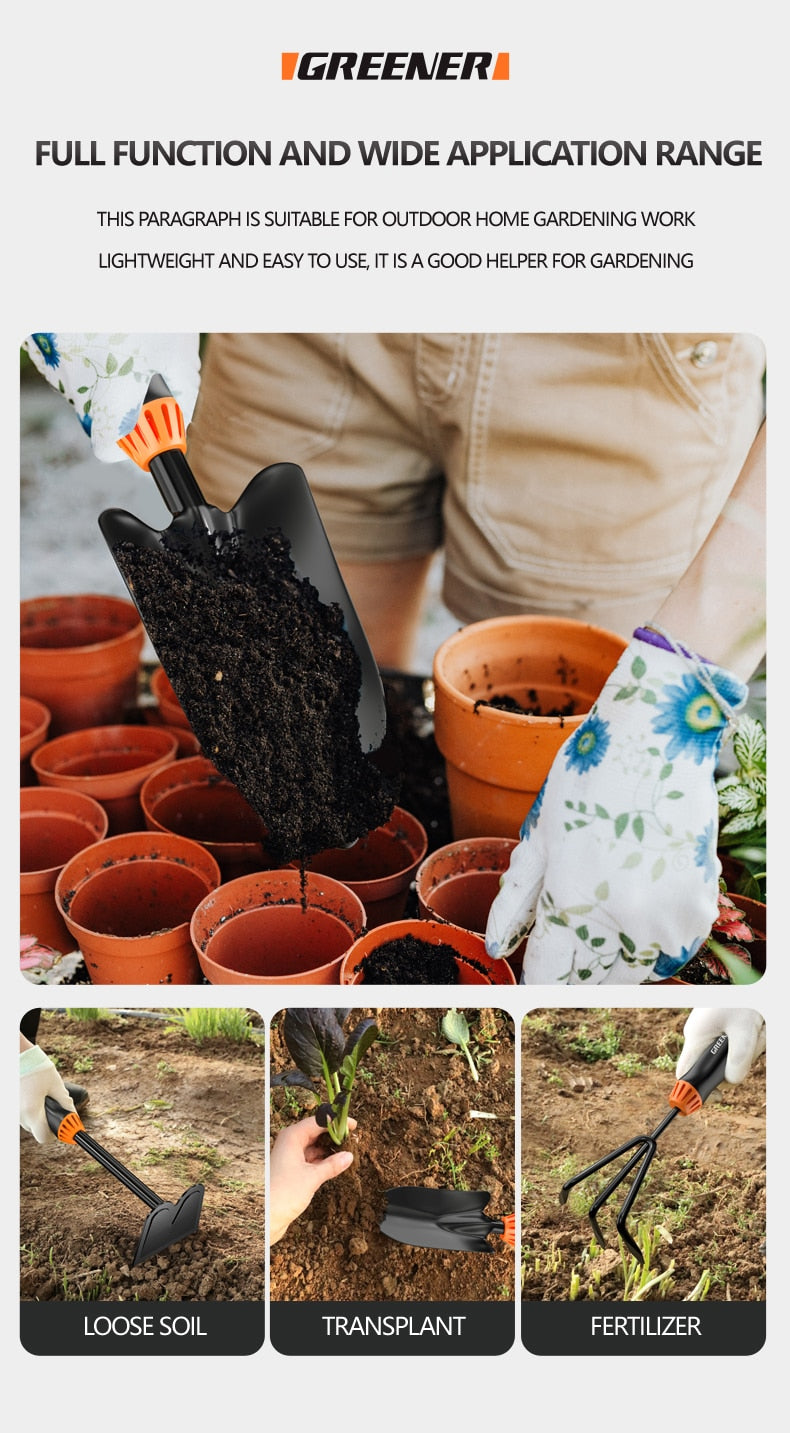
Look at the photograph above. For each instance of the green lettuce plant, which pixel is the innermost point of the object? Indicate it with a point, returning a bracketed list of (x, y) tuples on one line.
[(324, 1054)]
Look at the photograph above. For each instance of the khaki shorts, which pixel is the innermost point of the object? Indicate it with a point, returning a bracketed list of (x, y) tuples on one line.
[(572, 474)]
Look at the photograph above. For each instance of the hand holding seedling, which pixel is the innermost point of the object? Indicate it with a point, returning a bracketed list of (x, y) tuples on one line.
[(37, 1079), (322, 1051), (745, 1031), (616, 873), (104, 376), (299, 1166)]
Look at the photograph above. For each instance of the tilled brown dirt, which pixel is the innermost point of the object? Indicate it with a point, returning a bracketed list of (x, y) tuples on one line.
[(704, 1196), (413, 1104), (176, 1113)]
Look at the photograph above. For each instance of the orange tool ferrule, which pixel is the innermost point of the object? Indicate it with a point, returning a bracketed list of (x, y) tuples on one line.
[(159, 429)]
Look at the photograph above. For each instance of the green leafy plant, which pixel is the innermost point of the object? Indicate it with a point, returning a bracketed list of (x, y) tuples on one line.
[(215, 1023), (322, 1051), (742, 808), (455, 1028)]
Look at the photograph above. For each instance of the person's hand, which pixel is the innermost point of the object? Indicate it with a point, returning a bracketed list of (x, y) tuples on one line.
[(37, 1079), (297, 1168), (104, 376), (745, 1031), (616, 872)]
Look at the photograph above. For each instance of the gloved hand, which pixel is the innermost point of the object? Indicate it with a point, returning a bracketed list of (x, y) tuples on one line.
[(105, 376), (298, 1167), (745, 1031), (37, 1079), (617, 860)]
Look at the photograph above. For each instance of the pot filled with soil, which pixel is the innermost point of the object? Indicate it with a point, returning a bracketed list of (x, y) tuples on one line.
[(509, 691), (415, 952), (53, 826), (379, 867), (34, 724), (109, 763), (127, 903), (276, 928), (458, 883), (80, 656), (191, 798)]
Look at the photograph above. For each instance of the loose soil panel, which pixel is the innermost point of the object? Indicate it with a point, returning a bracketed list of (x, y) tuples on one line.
[(592, 1079), (176, 1113), (413, 1098)]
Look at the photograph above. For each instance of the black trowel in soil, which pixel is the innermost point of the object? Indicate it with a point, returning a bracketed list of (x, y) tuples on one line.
[(166, 1223), (444, 1219), (277, 498)]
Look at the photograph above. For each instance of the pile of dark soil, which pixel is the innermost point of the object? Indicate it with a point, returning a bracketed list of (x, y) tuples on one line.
[(532, 706), (270, 681), (409, 961)]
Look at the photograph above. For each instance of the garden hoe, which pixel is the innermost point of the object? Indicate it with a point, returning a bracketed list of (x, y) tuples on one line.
[(277, 498), (444, 1219), (167, 1223), (688, 1095)]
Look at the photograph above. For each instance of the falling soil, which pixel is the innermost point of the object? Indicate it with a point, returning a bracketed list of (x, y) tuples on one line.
[(269, 679), (414, 1101), (176, 1113), (592, 1079)]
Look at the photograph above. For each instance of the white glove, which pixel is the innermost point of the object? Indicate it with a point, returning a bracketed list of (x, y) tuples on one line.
[(104, 376), (616, 872), (745, 1031), (37, 1079)]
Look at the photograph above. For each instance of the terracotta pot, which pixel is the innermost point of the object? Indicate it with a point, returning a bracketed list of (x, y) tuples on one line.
[(80, 656), (53, 826), (34, 723), (469, 947), (458, 882), (498, 760), (192, 799), (173, 713), (380, 866), (109, 763), (128, 901), (257, 930)]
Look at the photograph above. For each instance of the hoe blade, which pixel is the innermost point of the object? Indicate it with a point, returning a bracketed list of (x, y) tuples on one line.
[(168, 1223)]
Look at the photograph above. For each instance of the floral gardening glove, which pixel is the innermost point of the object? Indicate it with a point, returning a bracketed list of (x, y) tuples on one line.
[(104, 376), (617, 864)]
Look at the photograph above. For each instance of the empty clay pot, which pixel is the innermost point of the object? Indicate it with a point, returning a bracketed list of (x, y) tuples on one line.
[(127, 903), (271, 929), (470, 948), (53, 826), (498, 760), (80, 655), (109, 763), (192, 799), (380, 866), (34, 723), (458, 882)]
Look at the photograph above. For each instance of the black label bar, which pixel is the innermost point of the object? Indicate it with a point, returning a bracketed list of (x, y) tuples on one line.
[(660, 1327), (120, 1328), (392, 1328)]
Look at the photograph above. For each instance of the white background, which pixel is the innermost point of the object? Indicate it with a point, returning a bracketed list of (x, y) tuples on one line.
[(693, 70)]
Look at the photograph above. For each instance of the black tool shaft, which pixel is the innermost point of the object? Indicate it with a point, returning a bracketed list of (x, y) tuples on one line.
[(708, 1070), (55, 1116)]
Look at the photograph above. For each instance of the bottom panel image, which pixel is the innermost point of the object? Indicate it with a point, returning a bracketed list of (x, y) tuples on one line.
[(643, 1177), (141, 1179), (401, 1246)]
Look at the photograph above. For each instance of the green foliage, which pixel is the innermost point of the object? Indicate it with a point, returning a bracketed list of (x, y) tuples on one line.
[(322, 1051), (742, 807), (214, 1024), (456, 1029)]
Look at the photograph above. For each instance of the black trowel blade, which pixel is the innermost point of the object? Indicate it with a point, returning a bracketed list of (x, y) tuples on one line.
[(439, 1218), (168, 1223)]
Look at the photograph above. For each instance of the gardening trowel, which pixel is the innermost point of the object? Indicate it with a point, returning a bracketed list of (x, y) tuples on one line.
[(444, 1219), (167, 1223), (277, 498)]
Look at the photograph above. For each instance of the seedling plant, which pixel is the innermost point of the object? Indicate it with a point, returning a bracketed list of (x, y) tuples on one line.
[(324, 1054)]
